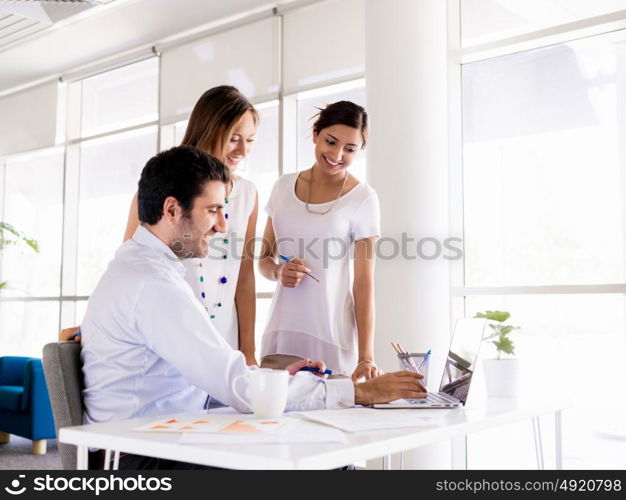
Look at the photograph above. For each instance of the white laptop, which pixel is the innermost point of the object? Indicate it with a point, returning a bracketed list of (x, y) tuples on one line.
[(457, 373)]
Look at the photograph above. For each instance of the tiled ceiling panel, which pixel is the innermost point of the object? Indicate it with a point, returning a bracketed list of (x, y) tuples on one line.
[(20, 19)]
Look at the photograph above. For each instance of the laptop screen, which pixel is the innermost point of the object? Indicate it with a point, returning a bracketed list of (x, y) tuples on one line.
[(462, 357)]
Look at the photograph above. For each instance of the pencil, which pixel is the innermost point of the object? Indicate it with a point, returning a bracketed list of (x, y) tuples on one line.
[(409, 360), (401, 356)]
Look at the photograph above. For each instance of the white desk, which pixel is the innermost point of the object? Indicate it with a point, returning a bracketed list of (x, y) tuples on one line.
[(361, 446)]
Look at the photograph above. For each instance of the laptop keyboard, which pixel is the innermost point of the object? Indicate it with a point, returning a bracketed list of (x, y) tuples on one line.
[(439, 399)]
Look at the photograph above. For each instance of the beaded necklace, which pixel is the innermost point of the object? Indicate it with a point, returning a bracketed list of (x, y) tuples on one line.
[(223, 279)]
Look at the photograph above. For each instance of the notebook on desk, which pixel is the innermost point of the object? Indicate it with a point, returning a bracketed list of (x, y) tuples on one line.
[(457, 372)]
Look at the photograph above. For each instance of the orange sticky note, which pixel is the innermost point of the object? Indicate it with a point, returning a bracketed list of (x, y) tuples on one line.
[(186, 427), (201, 422), (240, 428), (160, 427), (270, 422), (173, 421)]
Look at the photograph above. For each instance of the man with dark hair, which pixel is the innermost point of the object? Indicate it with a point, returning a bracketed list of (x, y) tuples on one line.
[(179, 172), (148, 346), (188, 178)]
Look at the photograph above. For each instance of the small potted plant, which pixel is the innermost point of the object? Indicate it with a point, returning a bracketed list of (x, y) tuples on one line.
[(502, 374)]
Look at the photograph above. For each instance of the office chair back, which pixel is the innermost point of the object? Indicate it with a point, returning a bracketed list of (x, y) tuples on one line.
[(64, 377)]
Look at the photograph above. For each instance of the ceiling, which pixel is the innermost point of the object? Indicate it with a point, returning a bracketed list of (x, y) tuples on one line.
[(22, 19), (44, 39)]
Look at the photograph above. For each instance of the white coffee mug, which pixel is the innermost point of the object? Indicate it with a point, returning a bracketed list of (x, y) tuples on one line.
[(267, 389)]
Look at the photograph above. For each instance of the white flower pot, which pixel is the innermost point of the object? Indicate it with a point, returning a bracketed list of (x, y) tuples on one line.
[(502, 377)]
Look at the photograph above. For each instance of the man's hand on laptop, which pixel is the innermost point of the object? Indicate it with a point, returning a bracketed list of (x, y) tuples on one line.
[(389, 387)]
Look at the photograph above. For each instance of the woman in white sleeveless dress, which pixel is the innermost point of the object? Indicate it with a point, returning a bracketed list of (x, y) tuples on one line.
[(317, 217), (223, 123)]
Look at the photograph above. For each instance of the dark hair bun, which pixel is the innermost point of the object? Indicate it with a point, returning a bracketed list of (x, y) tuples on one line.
[(342, 113)]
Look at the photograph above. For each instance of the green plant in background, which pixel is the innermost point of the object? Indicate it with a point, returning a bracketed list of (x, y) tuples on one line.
[(499, 331), (9, 236)]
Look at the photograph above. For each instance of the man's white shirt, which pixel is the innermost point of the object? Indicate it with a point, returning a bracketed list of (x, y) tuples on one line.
[(149, 348)]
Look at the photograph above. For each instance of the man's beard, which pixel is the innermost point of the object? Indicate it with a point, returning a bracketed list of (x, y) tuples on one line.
[(188, 243)]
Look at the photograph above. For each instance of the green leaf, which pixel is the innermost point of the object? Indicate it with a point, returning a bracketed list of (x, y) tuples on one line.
[(505, 330), (18, 237), (32, 244), (505, 344), (5, 226), (499, 316)]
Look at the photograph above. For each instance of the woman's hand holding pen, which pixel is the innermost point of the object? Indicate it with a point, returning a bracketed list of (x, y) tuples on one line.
[(290, 273), (68, 334)]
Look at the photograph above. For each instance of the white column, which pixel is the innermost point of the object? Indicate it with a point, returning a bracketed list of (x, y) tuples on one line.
[(407, 93)]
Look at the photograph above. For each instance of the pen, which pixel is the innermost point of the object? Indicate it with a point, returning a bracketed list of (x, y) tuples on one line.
[(419, 368), (282, 257), (312, 369)]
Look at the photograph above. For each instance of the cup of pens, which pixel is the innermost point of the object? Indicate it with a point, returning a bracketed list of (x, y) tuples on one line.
[(415, 362)]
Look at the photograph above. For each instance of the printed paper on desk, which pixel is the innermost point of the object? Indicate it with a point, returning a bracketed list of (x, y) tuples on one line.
[(222, 424), (368, 419), (304, 432)]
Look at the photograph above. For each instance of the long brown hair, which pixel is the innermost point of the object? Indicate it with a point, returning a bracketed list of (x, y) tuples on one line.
[(214, 116)]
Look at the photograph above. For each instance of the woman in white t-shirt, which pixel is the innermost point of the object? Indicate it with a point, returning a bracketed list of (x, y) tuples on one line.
[(224, 123), (317, 217)]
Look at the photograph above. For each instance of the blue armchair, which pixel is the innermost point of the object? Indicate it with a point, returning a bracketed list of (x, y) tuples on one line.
[(24, 404)]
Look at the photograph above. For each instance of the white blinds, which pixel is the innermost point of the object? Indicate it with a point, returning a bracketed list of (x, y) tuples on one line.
[(323, 43), (246, 57), (28, 119)]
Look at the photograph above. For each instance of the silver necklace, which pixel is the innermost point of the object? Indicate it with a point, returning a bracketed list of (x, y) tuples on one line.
[(308, 192)]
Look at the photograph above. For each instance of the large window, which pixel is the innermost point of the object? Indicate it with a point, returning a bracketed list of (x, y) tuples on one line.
[(120, 99), (109, 172), (544, 166), (33, 204), (544, 189), (27, 325), (73, 199), (120, 108)]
